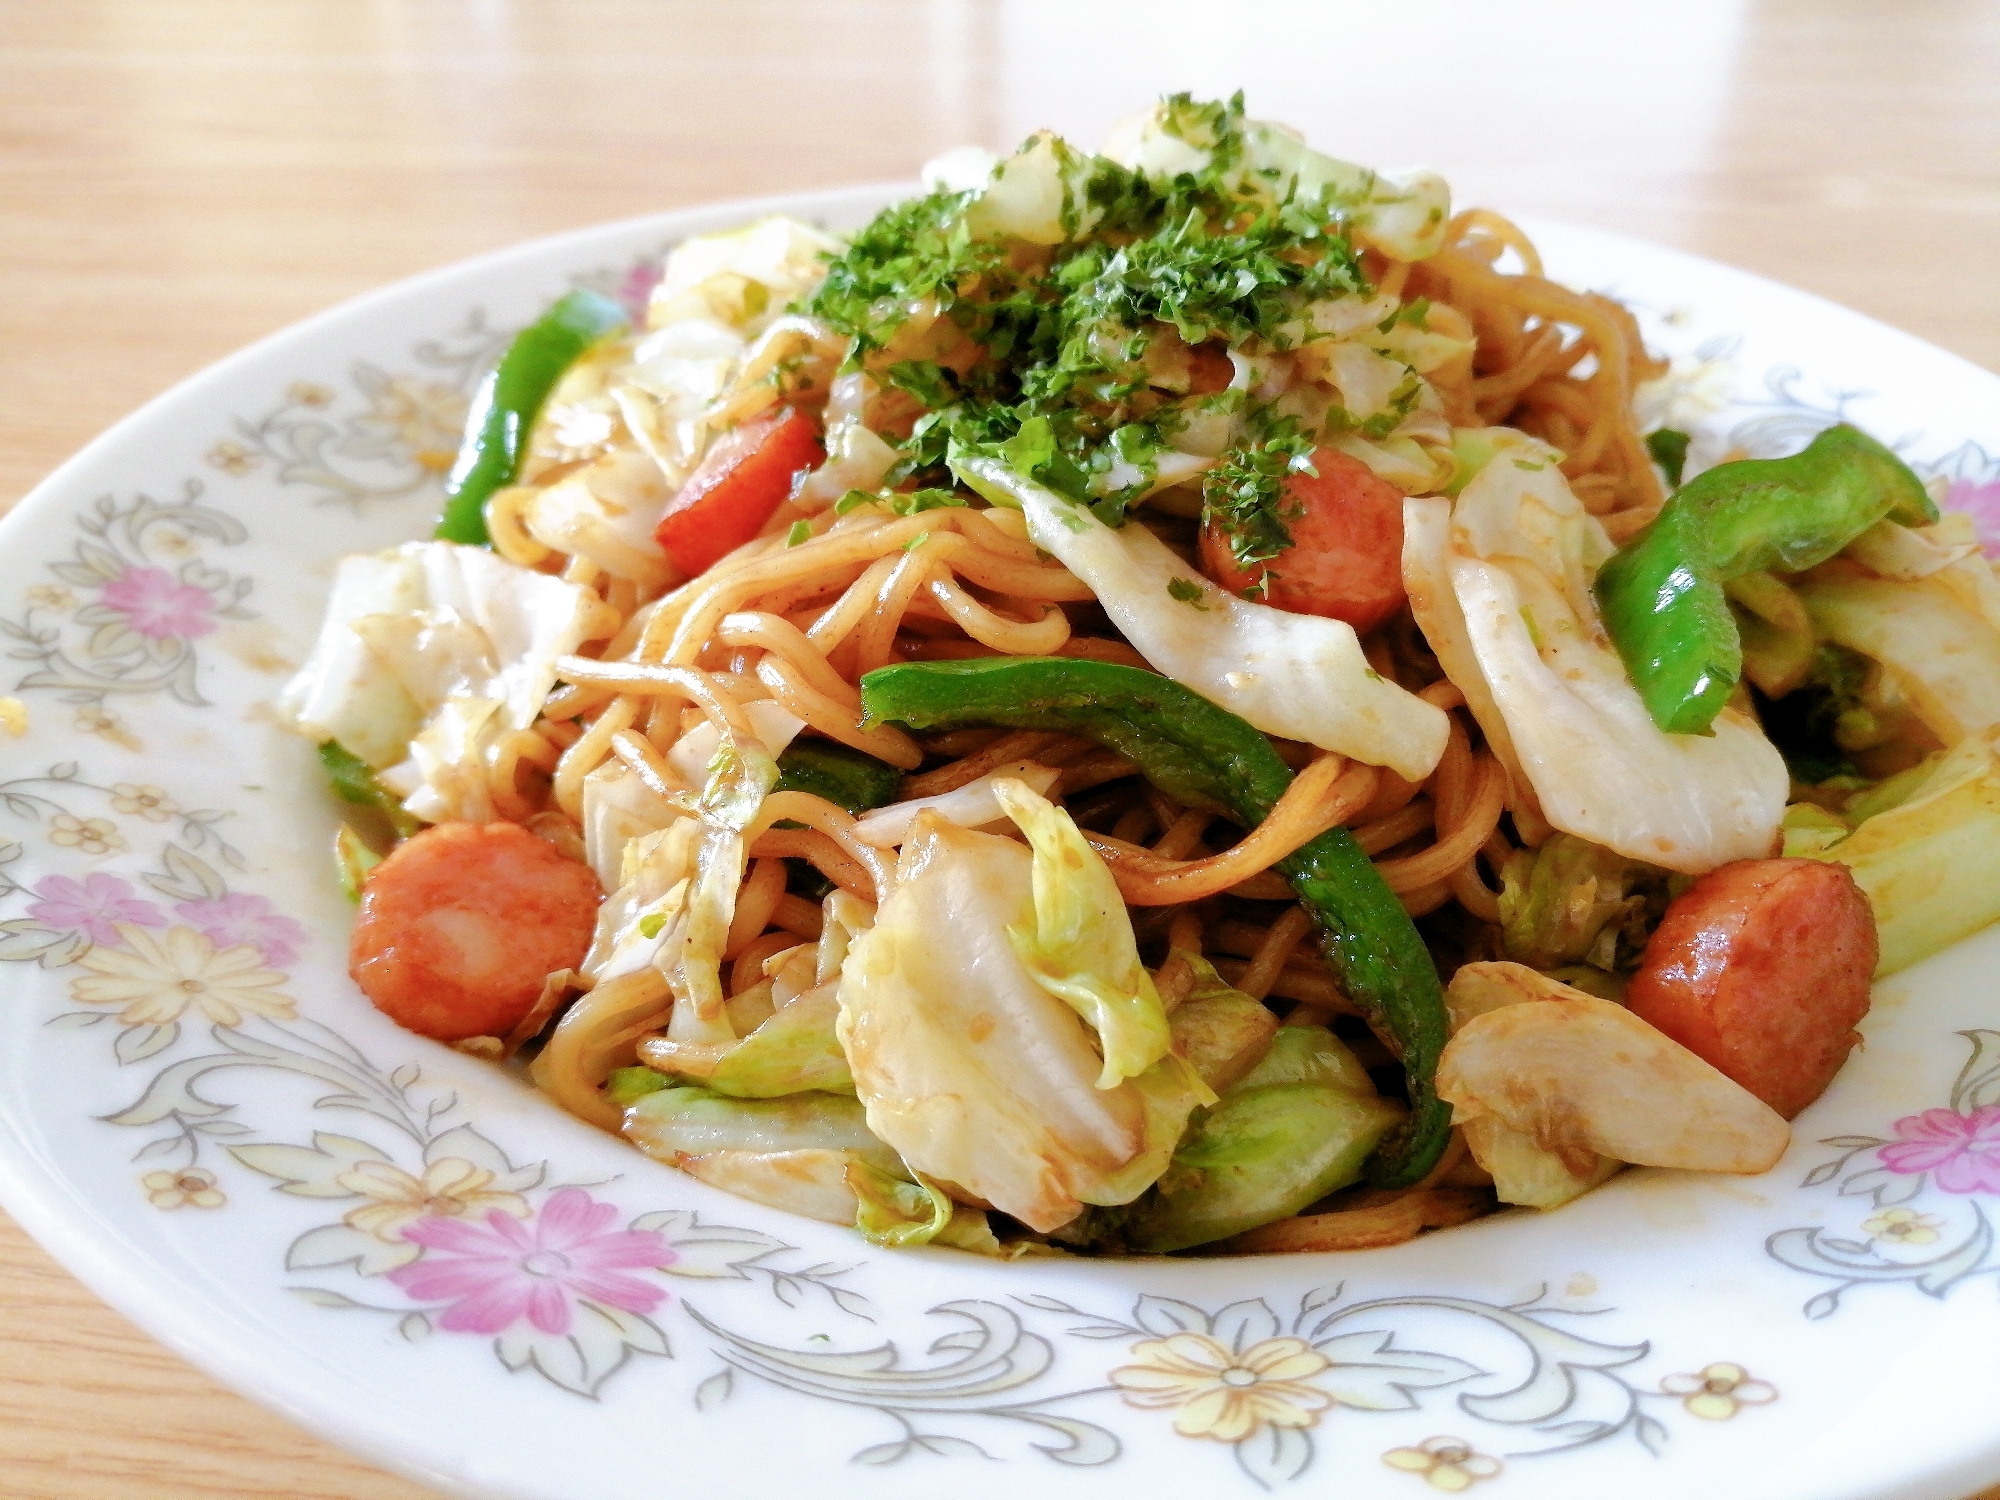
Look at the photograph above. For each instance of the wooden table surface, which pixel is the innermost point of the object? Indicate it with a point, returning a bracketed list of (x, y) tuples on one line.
[(179, 177)]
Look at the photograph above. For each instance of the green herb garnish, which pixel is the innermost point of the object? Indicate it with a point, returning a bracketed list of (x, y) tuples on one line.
[(1670, 451)]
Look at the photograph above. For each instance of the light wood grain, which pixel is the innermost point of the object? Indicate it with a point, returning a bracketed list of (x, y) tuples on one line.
[(180, 177)]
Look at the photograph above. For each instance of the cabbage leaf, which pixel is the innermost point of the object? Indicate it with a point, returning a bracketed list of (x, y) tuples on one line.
[(619, 808), (690, 1122), (1221, 1032), (1575, 902), (430, 651), (678, 884), (1944, 657), (847, 1187), (795, 1050), (983, 1080), (973, 805), (1294, 1128), (1500, 582), (1404, 217), (741, 774), (1582, 1078), (1297, 676), (1080, 946), (1310, 1054), (1930, 865), (774, 724), (654, 875), (606, 511)]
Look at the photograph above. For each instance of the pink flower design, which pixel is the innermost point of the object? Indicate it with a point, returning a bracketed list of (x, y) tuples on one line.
[(1982, 503), (92, 906), (495, 1275), (635, 292), (158, 606), (241, 920), (1961, 1151)]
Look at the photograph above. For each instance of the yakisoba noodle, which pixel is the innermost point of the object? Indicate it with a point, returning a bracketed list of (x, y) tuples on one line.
[(1531, 337), (1432, 358), (800, 624)]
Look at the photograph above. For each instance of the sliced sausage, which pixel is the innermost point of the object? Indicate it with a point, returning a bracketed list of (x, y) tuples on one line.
[(460, 926), (1762, 968), (1346, 557), (745, 475), (1210, 369)]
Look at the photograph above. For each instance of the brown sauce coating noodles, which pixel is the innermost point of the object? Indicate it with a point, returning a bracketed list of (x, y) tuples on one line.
[(798, 615), (1533, 338)]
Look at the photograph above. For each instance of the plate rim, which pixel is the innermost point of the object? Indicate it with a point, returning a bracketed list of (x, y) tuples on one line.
[(50, 1206)]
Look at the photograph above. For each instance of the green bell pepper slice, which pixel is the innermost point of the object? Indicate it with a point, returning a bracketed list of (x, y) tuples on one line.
[(1205, 756), (1663, 594), (848, 778), (503, 412)]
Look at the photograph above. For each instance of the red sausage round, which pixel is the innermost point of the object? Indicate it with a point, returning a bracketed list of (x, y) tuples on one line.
[(1210, 368), (1346, 557), (1761, 967), (460, 926)]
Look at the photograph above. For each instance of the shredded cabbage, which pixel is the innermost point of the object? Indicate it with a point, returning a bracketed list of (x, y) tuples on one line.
[(428, 652), (1404, 217)]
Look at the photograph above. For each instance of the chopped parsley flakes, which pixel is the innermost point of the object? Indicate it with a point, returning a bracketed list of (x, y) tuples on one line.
[(1244, 493), (1062, 359), (1669, 449), (900, 503)]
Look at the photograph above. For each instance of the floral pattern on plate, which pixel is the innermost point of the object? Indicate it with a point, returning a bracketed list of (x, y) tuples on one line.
[(386, 1194), (432, 1209), (1948, 1159), (391, 444), (129, 603), (402, 434), (1240, 1376), (473, 1242)]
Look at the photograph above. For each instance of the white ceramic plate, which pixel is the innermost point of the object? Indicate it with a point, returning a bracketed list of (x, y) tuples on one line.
[(203, 1118)]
